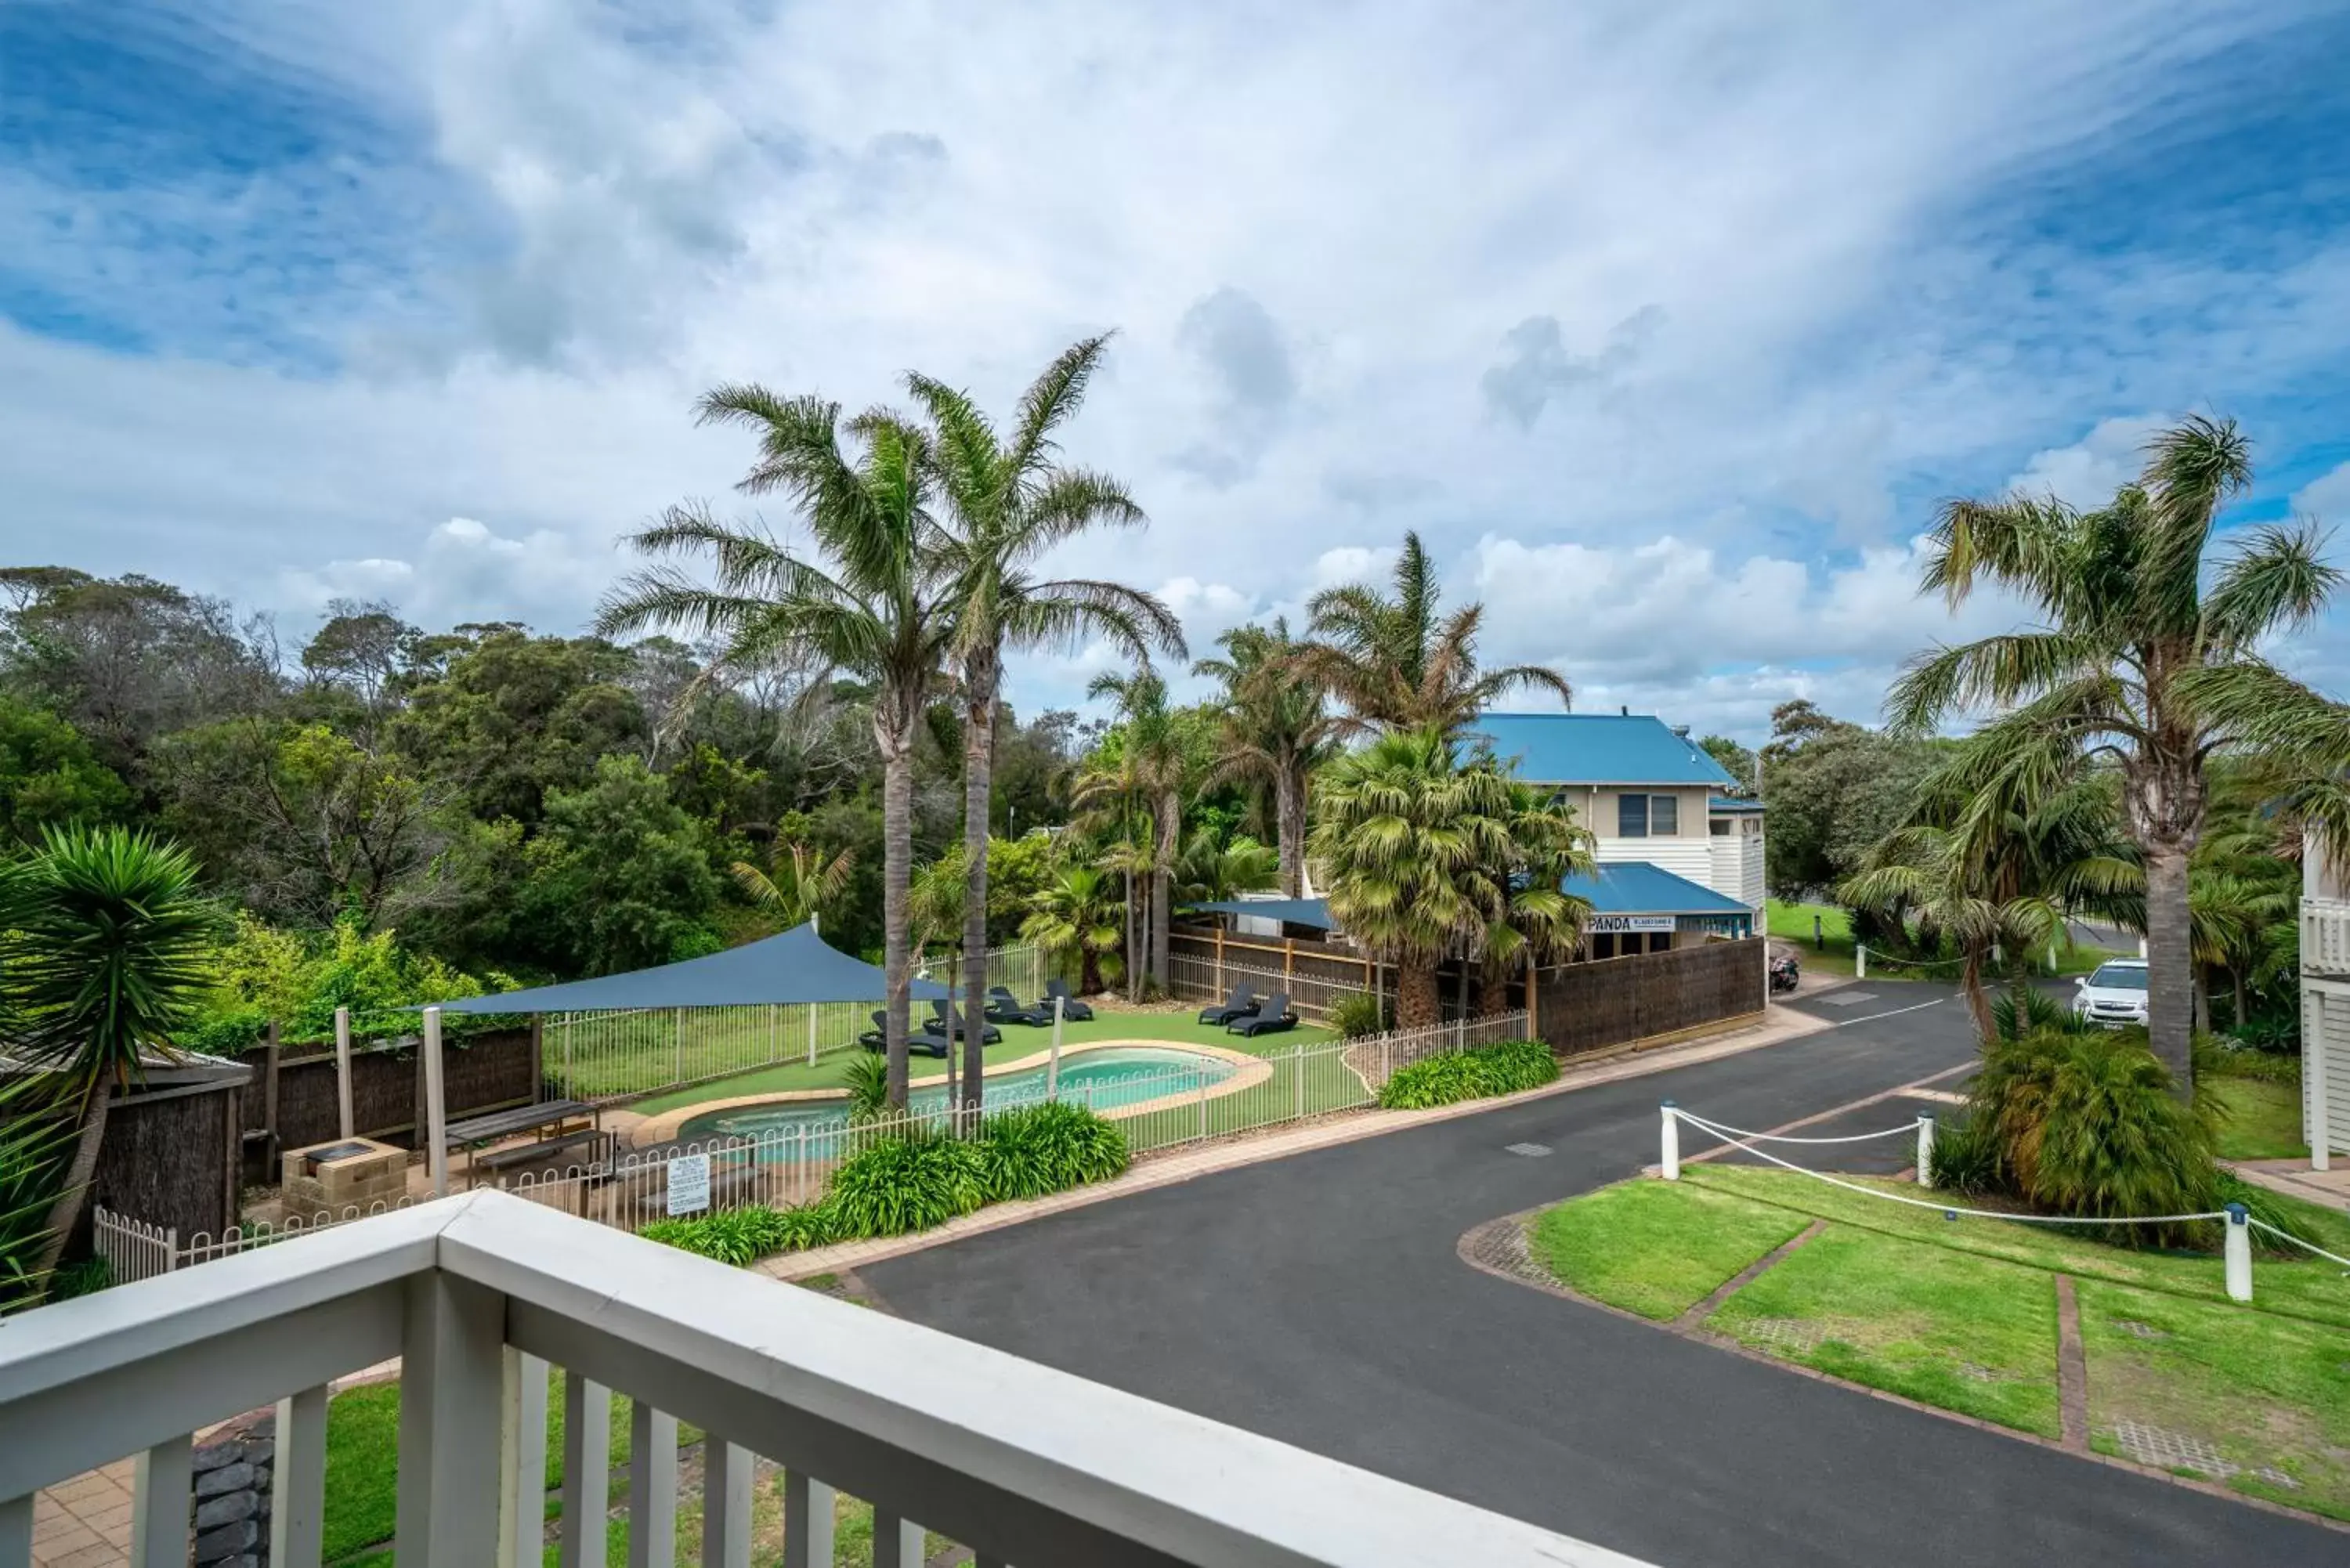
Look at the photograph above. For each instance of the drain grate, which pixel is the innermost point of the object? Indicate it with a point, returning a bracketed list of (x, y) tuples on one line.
[(2131, 1326), (1788, 1335), (1531, 1150), (2180, 1450), (1846, 998)]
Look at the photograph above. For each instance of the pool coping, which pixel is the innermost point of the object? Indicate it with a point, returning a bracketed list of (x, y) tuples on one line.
[(665, 1128)]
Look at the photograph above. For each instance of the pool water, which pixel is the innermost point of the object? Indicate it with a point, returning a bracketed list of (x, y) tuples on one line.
[(1105, 1079)]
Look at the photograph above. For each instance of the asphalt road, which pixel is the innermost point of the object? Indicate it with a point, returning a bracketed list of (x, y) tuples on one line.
[(1319, 1300)]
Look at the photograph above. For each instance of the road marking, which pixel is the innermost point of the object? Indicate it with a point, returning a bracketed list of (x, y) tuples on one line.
[(1895, 1093), (1944, 1096), (1873, 1017)]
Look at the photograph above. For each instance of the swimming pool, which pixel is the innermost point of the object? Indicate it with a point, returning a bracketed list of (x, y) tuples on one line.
[(1105, 1079)]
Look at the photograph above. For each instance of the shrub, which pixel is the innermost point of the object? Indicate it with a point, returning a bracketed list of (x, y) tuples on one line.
[(1035, 1149), (2269, 1209), (2233, 1056), (744, 1235), (869, 1084), (2015, 1013), (1357, 1014), (1474, 1073), (2087, 1124), (1967, 1157), (904, 1184)]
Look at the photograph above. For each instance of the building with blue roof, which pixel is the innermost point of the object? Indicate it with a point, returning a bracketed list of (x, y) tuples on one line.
[(1650, 796)]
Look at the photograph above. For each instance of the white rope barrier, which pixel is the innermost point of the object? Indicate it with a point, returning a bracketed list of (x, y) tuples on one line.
[(1907, 1126), (2304, 1246), (1945, 1209)]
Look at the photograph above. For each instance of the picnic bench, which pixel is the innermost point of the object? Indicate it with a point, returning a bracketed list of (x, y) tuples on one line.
[(475, 1133)]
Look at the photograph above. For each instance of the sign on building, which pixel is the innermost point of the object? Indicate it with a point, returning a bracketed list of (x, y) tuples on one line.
[(1602, 925), (689, 1184)]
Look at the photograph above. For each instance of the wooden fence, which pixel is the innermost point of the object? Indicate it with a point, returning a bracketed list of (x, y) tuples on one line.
[(1205, 965), (292, 1102), (1593, 1005)]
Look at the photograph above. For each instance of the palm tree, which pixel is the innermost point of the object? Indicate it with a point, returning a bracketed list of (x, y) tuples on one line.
[(1397, 665), (1010, 503), (1148, 771), (1211, 872), (801, 881), (1274, 731), (104, 957), (2133, 658), (874, 606), (1423, 853), (1074, 912), (1527, 918)]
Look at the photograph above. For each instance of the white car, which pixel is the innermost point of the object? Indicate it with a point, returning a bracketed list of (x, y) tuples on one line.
[(2115, 995)]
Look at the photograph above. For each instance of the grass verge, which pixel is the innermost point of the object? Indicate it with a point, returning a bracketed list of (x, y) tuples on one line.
[(2259, 1119), (1651, 1249)]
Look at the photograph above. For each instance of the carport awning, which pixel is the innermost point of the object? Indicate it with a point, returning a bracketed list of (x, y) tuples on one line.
[(790, 969)]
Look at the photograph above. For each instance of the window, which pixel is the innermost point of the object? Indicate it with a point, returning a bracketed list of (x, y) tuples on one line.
[(1647, 816), (1719, 827)]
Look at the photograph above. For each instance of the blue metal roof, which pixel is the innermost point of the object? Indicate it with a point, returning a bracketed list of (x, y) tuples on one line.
[(1315, 913), (1636, 887), (1732, 805), (1597, 749)]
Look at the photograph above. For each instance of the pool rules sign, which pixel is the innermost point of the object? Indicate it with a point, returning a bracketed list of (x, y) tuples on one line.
[(689, 1184)]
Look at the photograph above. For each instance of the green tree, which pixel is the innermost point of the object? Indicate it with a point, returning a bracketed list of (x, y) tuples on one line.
[(1274, 730), (1010, 502), (2134, 657), (1077, 911), (1144, 778), (800, 882), (1835, 789), (1214, 871), (1421, 850), (619, 876), (103, 942), (874, 606), (1397, 664), (1739, 763), (1526, 918), (49, 776)]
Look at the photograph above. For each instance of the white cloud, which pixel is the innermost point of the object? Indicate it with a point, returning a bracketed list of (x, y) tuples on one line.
[(2086, 473), (2326, 497)]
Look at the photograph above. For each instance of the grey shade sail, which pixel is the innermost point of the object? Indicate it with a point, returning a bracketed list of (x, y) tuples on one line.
[(1315, 913), (793, 968)]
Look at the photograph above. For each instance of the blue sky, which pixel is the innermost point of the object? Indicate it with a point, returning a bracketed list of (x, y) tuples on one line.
[(1667, 328)]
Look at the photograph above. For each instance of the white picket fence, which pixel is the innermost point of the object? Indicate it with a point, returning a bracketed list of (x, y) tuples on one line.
[(782, 1166), (135, 1250), (609, 1056)]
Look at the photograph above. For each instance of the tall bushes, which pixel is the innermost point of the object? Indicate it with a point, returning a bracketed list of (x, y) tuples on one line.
[(1474, 1073)]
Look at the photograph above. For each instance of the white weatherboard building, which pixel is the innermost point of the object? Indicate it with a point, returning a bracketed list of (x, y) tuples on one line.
[(2324, 1008), (1649, 793)]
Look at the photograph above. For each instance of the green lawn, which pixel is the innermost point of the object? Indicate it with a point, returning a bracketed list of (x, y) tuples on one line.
[(1793, 923), (2259, 1120), (1690, 1244), (1018, 1042), (1962, 1314)]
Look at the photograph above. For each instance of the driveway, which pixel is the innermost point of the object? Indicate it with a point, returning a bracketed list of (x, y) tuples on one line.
[(1319, 1300)]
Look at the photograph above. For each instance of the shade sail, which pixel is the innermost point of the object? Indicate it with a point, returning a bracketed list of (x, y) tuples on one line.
[(1315, 913), (781, 970)]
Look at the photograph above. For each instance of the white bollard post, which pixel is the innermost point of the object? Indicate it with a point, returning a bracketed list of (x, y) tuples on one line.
[(1669, 1150), (1925, 1149), (2240, 1253), (811, 1033), (1052, 1065), (2141, 947), (1860, 960), (436, 1106), (2051, 958)]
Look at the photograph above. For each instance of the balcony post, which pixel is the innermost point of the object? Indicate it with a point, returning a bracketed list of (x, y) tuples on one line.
[(17, 1533), (652, 1487), (897, 1542), (586, 1470), (298, 1497), (522, 1459), (808, 1521), (726, 1469), (158, 1504), (452, 1377)]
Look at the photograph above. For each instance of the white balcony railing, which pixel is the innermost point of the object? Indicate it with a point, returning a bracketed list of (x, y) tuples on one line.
[(2325, 936), (479, 1295)]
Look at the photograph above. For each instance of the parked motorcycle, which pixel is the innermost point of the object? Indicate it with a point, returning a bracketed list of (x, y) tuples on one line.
[(1785, 972)]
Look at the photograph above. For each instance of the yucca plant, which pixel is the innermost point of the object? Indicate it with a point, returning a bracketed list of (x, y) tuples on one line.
[(867, 1077), (903, 1184), (1034, 1150), (103, 938)]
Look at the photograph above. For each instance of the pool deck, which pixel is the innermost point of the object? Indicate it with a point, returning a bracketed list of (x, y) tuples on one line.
[(645, 1131)]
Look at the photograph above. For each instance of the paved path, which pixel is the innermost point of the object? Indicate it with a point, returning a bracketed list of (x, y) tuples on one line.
[(1319, 1300)]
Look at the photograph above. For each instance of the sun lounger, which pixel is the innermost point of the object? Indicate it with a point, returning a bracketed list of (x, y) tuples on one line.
[(1239, 1004), (1271, 1015), (1072, 1010)]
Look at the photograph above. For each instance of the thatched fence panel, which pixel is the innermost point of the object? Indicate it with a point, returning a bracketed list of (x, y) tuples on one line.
[(1604, 1003)]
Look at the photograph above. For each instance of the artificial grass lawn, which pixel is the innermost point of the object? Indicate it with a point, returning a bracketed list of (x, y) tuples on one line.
[(1962, 1314), (2278, 1399), (1019, 1041), (1688, 1244), (2259, 1120)]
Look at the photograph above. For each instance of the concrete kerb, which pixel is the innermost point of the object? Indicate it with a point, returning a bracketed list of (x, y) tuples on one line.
[(1184, 1163)]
